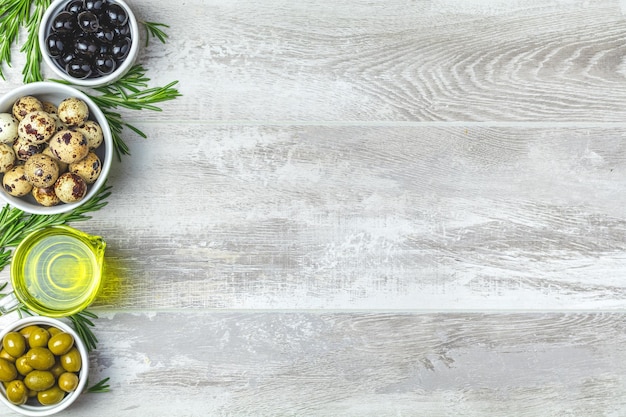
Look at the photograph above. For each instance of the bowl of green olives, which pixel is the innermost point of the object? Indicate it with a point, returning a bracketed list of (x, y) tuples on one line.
[(43, 366), (89, 42)]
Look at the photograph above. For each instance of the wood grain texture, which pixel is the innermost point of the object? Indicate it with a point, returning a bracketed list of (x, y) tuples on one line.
[(395, 60), (368, 217), (359, 364), (370, 208)]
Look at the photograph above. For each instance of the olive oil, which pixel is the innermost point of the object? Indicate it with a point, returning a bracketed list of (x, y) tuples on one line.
[(57, 271)]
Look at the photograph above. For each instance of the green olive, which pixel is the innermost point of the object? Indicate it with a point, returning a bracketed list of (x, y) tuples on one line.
[(71, 361), (22, 365), (54, 330), (52, 395), (8, 372), (39, 380), (4, 354), (68, 381), (57, 369), (17, 393), (61, 343), (40, 358), (14, 343), (38, 338), (26, 331)]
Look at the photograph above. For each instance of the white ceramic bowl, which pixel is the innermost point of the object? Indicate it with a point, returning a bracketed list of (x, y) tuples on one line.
[(55, 93), (36, 410), (44, 30)]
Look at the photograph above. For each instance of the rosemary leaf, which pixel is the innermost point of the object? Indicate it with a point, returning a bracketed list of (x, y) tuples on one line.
[(101, 386), (154, 30)]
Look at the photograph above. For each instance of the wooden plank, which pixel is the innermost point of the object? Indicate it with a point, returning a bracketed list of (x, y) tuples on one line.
[(384, 364), (368, 217), (387, 61)]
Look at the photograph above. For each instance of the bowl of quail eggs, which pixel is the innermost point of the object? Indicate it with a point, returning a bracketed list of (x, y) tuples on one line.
[(89, 42), (56, 148)]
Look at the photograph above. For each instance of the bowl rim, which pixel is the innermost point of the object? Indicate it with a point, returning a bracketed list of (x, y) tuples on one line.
[(49, 87), (89, 82), (46, 410)]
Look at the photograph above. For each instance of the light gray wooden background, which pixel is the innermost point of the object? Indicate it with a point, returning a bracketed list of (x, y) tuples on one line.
[(371, 208)]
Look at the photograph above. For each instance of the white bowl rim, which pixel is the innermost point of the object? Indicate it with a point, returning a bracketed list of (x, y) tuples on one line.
[(98, 81), (46, 87), (46, 410)]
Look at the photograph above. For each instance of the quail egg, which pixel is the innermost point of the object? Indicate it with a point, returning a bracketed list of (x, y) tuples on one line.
[(15, 182), (87, 168), (41, 170), (46, 196), (70, 188), (49, 107), (92, 132), (25, 105), (7, 157), (69, 146), (73, 111), (36, 127), (8, 128), (62, 165), (24, 149)]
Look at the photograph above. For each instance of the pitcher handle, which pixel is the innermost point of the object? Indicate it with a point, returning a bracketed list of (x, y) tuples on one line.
[(9, 303)]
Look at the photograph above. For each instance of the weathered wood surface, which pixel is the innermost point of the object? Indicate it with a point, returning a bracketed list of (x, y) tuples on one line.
[(366, 208)]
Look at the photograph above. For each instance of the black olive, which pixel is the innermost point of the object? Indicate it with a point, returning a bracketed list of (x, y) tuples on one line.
[(74, 6), (123, 30), (86, 46), (104, 64), (120, 48), (117, 15), (64, 59), (64, 22), (105, 35), (94, 4), (56, 44), (88, 21), (78, 68)]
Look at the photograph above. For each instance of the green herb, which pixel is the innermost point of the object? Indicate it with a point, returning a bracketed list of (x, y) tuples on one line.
[(130, 92), (154, 30), (13, 15), (83, 324), (101, 386), (15, 224)]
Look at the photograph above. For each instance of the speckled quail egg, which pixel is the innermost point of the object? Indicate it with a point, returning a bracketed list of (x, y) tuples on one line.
[(69, 146), (41, 170), (73, 111), (46, 196), (59, 124), (70, 188), (37, 127), (7, 157), (25, 105), (49, 107), (92, 132), (62, 165), (87, 168), (8, 128), (15, 182), (24, 149)]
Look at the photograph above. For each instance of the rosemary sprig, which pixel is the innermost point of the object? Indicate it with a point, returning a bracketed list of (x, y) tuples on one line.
[(32, 71), (130, 92), (101, 386), (13, 15), (83, 324), (154, 30), (15, 224)]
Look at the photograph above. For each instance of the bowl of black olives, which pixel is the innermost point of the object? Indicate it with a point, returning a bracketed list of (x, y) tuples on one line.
[(44, 366), (89, 42)]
